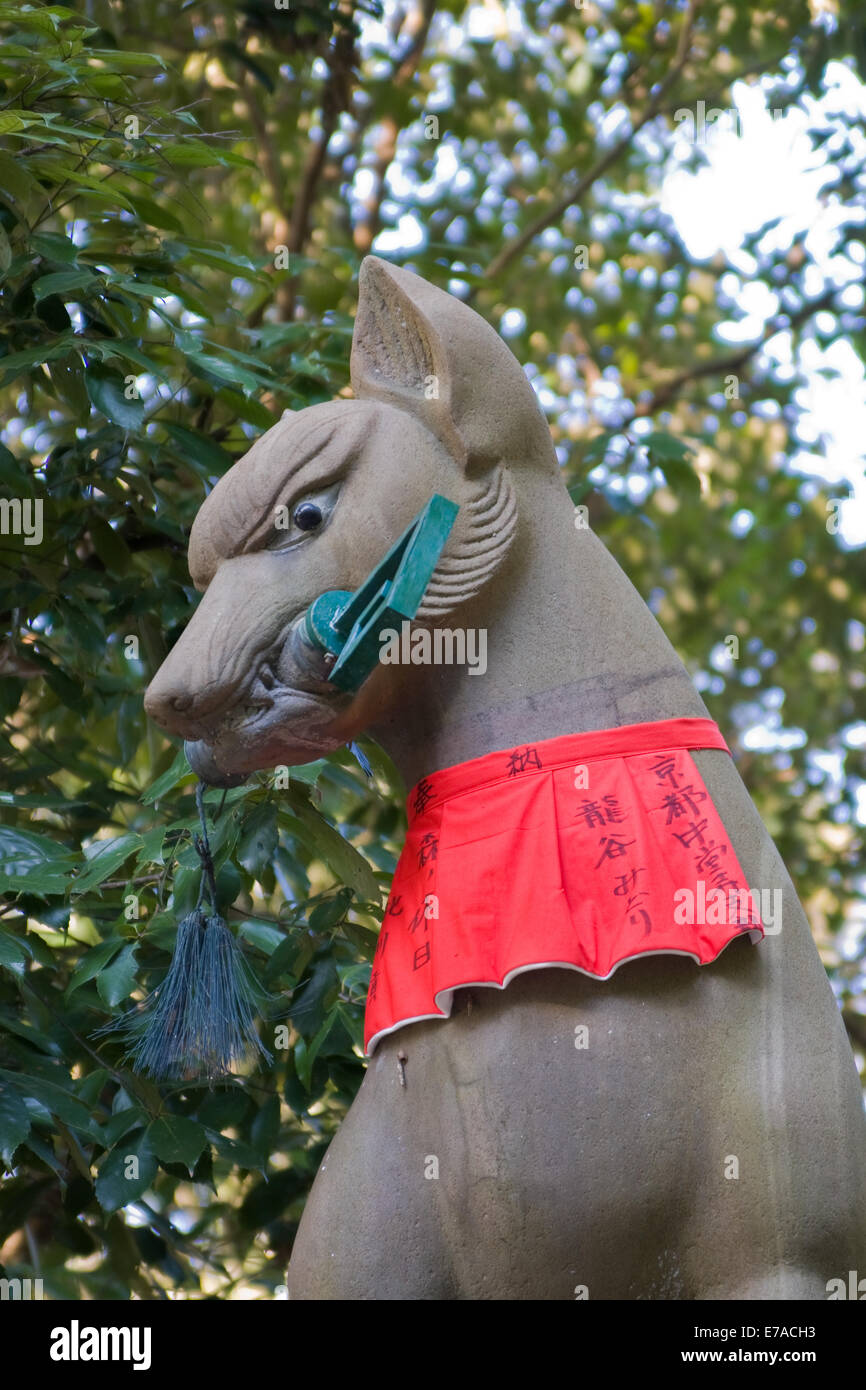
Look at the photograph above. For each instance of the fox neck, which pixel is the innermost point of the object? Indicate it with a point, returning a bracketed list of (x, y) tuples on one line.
[(570, 646)]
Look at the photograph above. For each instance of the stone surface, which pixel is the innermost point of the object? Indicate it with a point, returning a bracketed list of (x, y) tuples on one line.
[(558, 1167)]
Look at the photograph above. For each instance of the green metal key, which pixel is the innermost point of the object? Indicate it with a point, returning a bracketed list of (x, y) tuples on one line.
[(348, 625)]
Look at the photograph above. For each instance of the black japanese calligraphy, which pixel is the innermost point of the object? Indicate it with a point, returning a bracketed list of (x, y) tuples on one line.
[(606, 811), (428, 849), (521, 759), (424, 794), (626, 882), (682, 802), (422, 956), (615, 847)]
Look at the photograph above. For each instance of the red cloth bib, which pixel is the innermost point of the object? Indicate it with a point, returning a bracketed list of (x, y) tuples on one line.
[(582, 851)]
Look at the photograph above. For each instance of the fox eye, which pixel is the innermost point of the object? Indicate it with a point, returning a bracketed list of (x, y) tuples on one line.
[(294, 522), (307, 516)]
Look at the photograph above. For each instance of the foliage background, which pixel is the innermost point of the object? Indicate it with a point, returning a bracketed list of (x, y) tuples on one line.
[(169, 284)]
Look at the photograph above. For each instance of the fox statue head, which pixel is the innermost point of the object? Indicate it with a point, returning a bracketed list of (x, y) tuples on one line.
[(440, 405)]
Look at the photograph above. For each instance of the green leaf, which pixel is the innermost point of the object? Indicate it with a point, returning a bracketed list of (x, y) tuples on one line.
[(13, 953), (328, 914), (353, 1022), (18, 188), (200, 449), (40, 881), (114, 554), (330, 1030), (13, 120), (53, 247), (214, 368), (67, 284), (13, 474), (221, 1109), (309, 773), (343, 859), (108, 86), (14, 1122), (31, 862), (309, 1004), (259, 839), (91, 1086), (360, 937), (251, 411), (664, 446), (151, 847), (127, 351), (21, 850), (228, 886), (67, 374), (121, 1123), (196, 154), (13, 362), (60, 1102), (120, 60), (144, 289), (241, 1155), (43, 19), (267, 938), (266, 1126), (177, 1139), (116, 981), (106, 391), (154, 215), (179, 769), (281, 960), (126, 1172), (302, 1067), (103, 858)]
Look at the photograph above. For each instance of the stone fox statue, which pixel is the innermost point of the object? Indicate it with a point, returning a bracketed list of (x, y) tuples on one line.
[(590, 1075)]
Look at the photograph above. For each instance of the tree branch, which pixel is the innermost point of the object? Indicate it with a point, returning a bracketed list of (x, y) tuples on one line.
[(732, 361), (601, 166), (336, 98), (269, 157)]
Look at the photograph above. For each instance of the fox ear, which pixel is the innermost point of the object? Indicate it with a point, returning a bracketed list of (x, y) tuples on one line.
[(419, 349)]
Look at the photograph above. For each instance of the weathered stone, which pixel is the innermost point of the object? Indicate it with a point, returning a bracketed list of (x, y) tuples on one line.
[(558, 1167)]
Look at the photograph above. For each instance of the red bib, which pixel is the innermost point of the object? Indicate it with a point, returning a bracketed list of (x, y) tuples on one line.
[(583, 851)]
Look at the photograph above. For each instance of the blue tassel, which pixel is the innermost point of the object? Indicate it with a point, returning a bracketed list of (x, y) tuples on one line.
[(201, 1019), (362, 758)]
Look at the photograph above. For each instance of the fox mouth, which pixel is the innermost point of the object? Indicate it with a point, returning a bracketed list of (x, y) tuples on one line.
[(291, 728), (285, 712)]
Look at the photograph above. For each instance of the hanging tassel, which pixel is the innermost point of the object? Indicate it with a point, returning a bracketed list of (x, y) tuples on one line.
[(362, 758), (201, 1019)]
